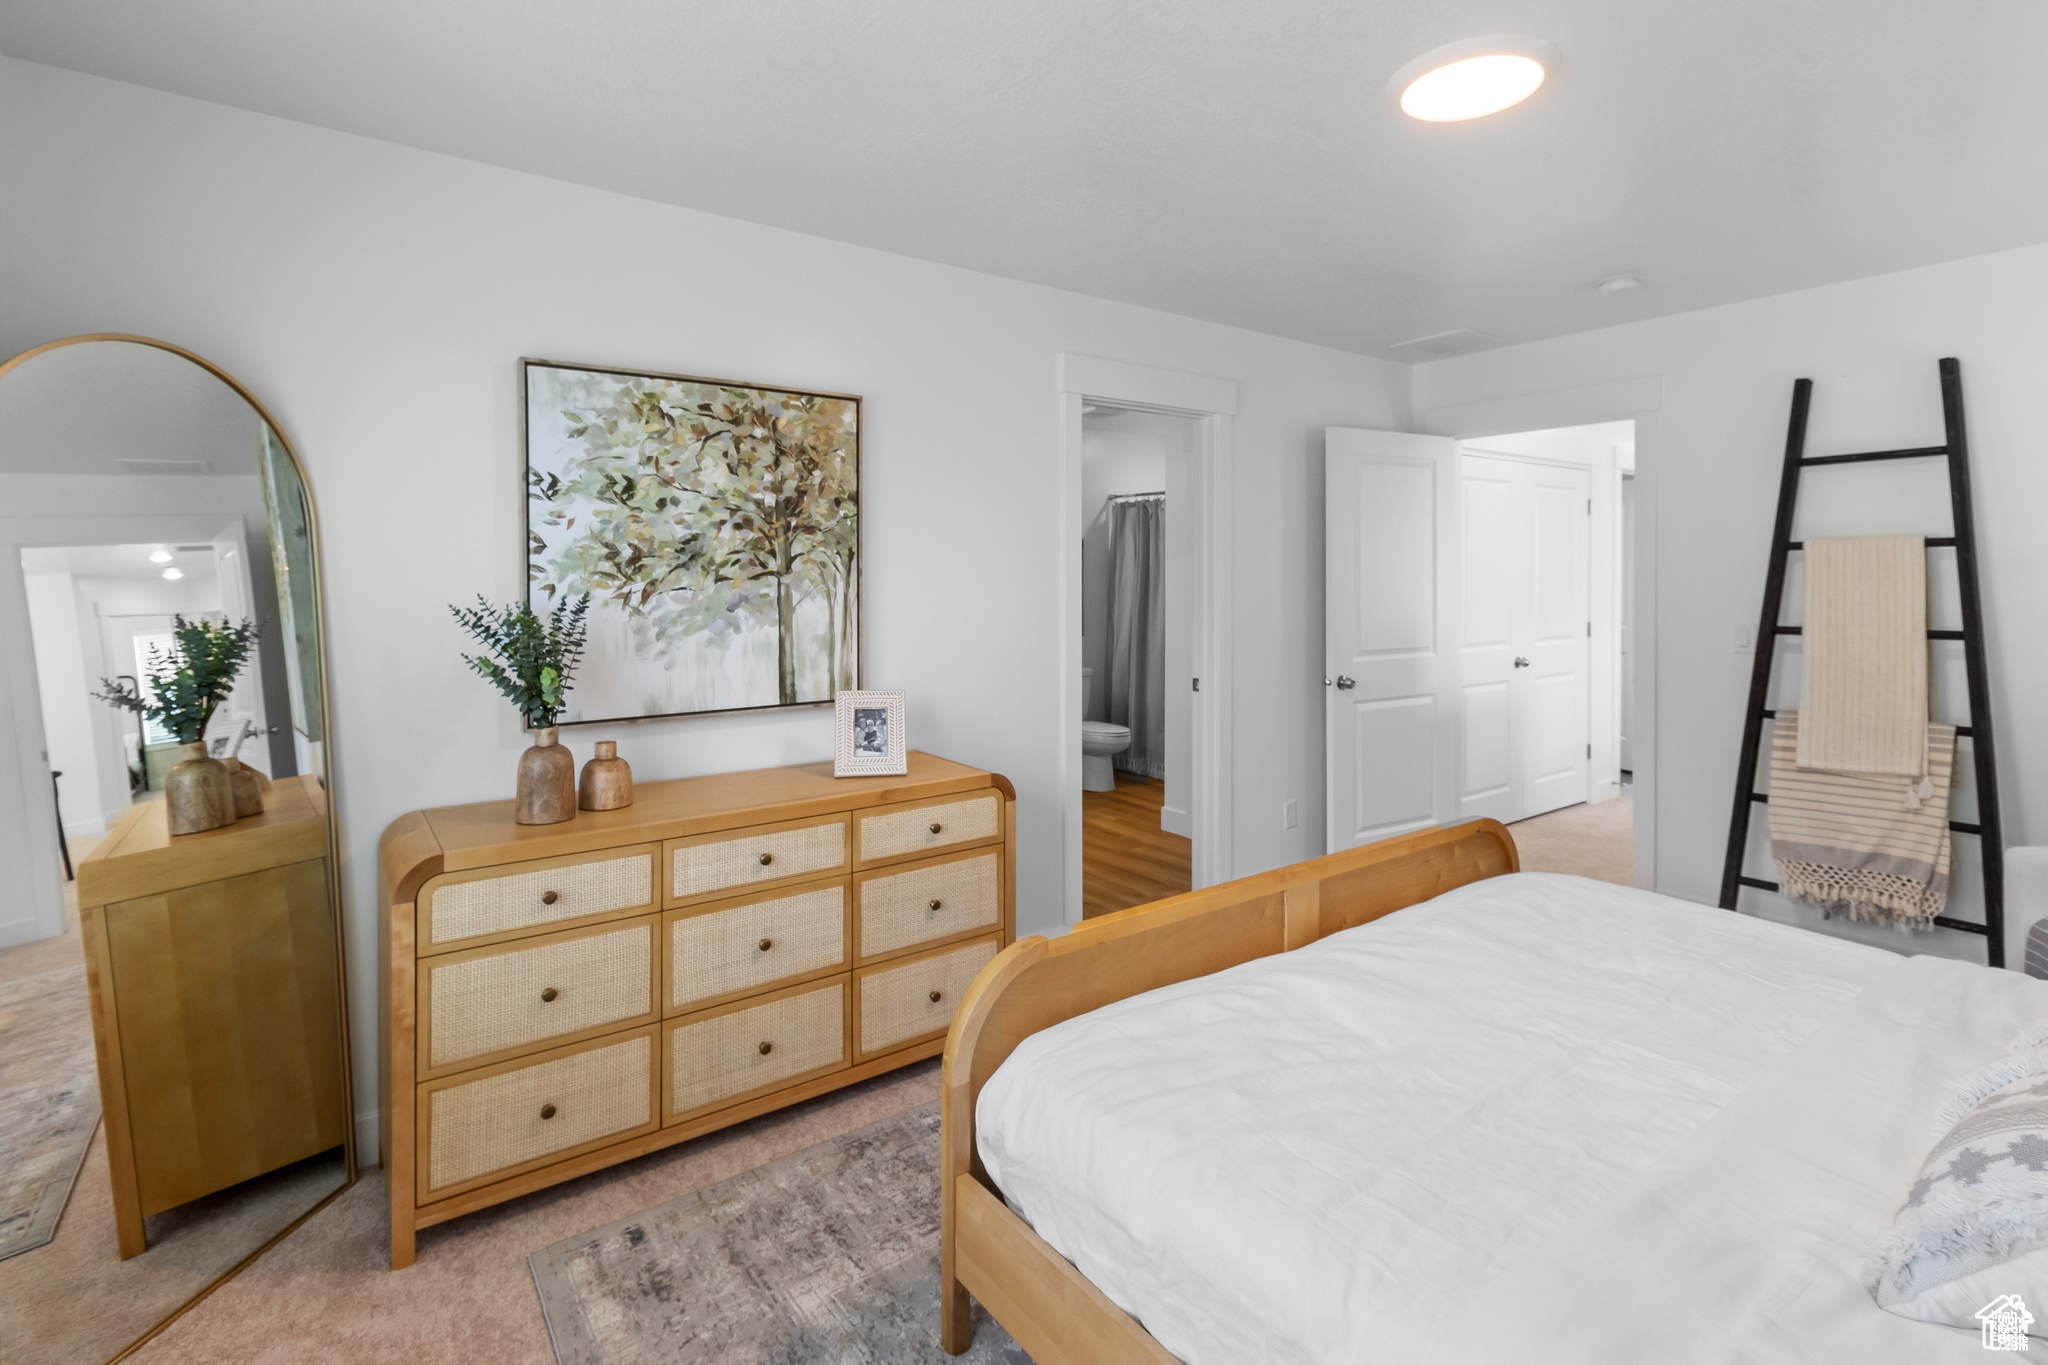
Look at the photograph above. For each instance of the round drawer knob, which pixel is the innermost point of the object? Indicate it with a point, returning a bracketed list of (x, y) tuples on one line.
[(548, 898), (548, 995), (937, 904), (936, 827), (767, 858), (767, 1048), (936, 995), (547, 1111), (766, 944)]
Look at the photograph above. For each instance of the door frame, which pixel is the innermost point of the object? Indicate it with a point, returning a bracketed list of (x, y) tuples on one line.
[(1212, 404), (1641, 399)]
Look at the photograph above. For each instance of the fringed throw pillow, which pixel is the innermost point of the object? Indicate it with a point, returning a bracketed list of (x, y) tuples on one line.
[(1974, 1227)]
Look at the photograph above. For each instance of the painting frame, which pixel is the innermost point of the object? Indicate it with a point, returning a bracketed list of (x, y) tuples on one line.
[(854, 669), (854, 753)]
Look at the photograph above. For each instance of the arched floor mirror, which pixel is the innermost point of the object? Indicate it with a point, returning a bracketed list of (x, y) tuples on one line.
[(174, 1080)]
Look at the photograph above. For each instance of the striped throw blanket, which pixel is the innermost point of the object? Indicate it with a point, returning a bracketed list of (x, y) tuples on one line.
[(1875, 848), (1865, 691)]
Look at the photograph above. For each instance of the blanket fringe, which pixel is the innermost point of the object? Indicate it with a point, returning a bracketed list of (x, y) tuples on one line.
[(1864, 896)]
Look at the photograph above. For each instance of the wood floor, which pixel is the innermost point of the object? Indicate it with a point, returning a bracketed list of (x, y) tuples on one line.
[(1126, 859)]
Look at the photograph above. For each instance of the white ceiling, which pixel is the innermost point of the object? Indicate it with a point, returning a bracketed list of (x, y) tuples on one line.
[(1234, 161), (119, 561), (81, 409)]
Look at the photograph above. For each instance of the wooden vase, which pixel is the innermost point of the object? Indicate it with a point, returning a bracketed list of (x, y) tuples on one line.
[(247, 788), (198, 793), (547, 782), (607, 780)]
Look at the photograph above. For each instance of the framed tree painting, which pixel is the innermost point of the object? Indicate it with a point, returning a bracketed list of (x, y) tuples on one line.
[(716, 527)]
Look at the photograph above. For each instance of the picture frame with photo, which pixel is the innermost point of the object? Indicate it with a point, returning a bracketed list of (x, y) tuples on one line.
[(869, 735)]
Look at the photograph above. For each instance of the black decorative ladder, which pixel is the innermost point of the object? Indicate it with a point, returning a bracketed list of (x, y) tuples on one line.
[(1990, 842)]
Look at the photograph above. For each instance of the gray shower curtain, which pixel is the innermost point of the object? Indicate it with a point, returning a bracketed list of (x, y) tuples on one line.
[(1137, 632)]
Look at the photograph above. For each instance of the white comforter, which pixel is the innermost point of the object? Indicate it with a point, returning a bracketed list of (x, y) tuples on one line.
[(1536, 1119)]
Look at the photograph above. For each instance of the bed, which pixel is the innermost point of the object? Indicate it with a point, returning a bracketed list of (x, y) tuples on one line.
[(1275, 1121)]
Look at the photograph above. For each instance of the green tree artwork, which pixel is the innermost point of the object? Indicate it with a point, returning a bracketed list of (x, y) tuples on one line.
[(715, 527)]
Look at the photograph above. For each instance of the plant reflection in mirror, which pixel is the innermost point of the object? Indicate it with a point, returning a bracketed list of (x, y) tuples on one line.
[(188, 684)]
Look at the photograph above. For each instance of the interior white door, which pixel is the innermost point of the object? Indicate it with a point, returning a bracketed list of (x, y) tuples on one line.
[(1391, 592), (1555, 637), (1493, 516), (1524, 646)]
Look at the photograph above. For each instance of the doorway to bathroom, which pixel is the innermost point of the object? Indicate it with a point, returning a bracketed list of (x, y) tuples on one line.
[(1137, 672), (1201, 414)]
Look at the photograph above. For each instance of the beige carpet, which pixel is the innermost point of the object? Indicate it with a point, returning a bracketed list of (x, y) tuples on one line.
[(74, 1301), (325, 1295), (1596, 841)]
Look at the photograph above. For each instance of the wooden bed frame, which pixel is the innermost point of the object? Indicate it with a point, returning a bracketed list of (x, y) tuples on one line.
[(1051, 1308)]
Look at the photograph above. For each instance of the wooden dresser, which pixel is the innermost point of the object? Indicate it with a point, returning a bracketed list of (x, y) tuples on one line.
[(214, 977), (557, 998)]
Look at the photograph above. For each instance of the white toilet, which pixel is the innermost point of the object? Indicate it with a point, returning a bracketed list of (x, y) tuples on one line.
[(1101, 742)]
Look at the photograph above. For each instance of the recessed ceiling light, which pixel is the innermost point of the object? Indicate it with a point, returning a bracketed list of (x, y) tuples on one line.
[(1620, 284), (159, 556), (1473, 78), (174, 574)]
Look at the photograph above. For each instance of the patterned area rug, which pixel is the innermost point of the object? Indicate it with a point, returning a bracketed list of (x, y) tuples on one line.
[(49, 1102), (828, 1255)]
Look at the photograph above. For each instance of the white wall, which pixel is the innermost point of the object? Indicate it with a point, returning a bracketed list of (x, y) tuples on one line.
[(1708, 488), (377, 300), (68, 722)]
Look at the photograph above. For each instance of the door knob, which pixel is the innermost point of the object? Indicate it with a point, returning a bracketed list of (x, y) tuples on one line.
[(1345, 684), (1521, 662)]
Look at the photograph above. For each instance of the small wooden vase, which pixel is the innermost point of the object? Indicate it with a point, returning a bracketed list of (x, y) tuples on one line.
[(198, 793), (247, 788), (607, 780), (547, 782)]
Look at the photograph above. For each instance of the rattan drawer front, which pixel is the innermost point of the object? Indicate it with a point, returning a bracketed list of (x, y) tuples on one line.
[(473, 1006), (930, 827), (709, 866), (477, 1128), (720, 1056), (900, 1004), (930, 901), (752, 946), (521, 899)]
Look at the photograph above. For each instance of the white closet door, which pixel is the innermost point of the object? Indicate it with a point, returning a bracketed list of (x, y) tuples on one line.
[(1493, 509), (1553, 636), (1524, 653), (1390, 599)]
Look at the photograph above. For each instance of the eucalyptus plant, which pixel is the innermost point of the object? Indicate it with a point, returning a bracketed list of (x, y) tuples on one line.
[(536, 657), (188, 683)]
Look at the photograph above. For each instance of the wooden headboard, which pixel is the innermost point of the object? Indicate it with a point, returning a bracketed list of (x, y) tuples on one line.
[(1038, 982)]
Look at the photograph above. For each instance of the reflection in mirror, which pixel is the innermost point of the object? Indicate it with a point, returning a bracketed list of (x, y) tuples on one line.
[(173, 1091)]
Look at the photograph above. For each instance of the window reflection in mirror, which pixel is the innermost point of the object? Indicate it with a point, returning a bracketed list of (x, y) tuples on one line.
[(142, 498)]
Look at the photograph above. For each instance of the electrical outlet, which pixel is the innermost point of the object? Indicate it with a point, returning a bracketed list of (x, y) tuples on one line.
[(1745, 639), (1290, 814)]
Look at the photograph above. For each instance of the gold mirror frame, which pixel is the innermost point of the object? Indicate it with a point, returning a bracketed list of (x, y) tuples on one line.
[(349, 1172)]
